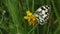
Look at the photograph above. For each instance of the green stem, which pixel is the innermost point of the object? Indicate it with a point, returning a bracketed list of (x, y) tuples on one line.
[(32, 28), (33, 5), (56, 16), (27, 2), (44, 29), (37, 30), (33, 11)]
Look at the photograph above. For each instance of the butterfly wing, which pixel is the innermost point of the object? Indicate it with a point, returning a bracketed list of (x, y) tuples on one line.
[(42, 14)]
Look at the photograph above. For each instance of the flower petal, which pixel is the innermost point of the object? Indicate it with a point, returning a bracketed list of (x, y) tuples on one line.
[(25, 17)]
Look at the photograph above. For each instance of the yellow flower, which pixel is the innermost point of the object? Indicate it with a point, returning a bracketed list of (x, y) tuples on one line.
[(30, 17)]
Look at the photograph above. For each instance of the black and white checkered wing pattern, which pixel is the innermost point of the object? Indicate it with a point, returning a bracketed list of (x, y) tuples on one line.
[(42, 14)]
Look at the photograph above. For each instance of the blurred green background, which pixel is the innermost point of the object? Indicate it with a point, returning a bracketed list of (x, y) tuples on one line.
[(12, 14)]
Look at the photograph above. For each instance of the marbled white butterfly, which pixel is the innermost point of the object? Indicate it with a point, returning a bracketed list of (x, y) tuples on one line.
[(42, 14)]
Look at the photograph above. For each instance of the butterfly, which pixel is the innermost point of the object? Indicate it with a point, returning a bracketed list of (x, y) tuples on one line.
[(42, 14)]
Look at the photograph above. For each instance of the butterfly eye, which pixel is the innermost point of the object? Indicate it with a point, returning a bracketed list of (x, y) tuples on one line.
[(42, 14)]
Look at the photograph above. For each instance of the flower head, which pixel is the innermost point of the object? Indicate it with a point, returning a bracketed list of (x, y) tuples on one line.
[(30, 17)]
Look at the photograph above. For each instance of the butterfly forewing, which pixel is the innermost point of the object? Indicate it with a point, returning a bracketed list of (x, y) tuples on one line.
[(42, 14)]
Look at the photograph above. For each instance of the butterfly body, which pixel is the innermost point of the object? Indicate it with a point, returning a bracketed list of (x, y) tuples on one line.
[(42, 14)]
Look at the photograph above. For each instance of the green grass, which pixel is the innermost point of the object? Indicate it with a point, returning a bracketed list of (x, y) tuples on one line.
[(13, 22)]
